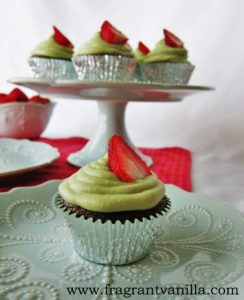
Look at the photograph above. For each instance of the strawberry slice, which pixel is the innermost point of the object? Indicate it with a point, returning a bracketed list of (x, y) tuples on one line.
[(18, 96), (61, 39), (124, 162), (112, 35), (38, 99), (172, 40), (143, 48)]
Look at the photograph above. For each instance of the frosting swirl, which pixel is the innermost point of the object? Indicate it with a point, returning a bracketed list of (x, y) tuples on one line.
[(49, 48), (98, 46), (94, 187), (139, 56), (162, 52)]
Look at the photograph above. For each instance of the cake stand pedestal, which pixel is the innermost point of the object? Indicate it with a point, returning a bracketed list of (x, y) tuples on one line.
[(110, 122), (112, 99)]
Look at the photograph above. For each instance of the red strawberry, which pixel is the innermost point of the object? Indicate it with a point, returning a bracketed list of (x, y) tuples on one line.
[(61, 39), (112, 35), (2, 95), (143, 48), (172, 40), (124, 162), (6, 99), (18, 96), (38, 99)]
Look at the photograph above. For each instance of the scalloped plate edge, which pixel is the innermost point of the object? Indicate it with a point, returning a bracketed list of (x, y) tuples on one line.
[(56, 155)]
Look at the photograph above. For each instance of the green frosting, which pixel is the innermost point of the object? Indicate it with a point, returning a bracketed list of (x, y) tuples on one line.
[(98, 46), (94, 187), (162, 52), (139, 56), (49, 48)]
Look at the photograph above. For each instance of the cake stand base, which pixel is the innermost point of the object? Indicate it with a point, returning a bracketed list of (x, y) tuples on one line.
[(112, 98), (110, 122)]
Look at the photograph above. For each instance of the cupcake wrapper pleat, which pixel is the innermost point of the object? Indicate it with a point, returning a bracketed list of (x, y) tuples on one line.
[(52, 68), (78, 211), (113, 243), (104, 67), (165, 72)]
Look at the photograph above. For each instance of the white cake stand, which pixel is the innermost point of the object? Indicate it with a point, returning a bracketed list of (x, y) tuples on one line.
[(112, 99)]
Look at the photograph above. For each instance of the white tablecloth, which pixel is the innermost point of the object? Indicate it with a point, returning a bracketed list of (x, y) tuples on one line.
[(211, 124)]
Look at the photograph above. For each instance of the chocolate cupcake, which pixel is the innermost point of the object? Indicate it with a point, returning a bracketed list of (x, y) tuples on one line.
[(140, 55), (107, 56), (167, 63), (114, 207), (51, 59)]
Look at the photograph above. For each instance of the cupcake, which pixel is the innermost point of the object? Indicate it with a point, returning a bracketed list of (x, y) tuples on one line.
[(140, 54), (107, 56), (114, 207), (51, 59), (167, 63)]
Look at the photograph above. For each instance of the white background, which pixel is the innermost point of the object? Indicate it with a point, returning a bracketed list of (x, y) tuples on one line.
[(211, 124)]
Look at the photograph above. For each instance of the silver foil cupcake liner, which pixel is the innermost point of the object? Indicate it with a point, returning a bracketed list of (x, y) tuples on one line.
[(52, 68), (114, 243), (166, 72), (104, 67), (137, 76)]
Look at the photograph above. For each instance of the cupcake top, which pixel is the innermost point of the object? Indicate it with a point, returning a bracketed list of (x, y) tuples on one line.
[(56, 46), (169, 49), (108, 41), (141, 52), (120, 181)]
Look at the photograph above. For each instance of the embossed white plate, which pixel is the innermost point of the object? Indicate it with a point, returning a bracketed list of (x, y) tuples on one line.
[(201, 242), (20, 156)]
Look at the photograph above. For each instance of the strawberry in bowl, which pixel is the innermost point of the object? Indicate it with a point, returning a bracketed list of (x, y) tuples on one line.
[(23, 117)]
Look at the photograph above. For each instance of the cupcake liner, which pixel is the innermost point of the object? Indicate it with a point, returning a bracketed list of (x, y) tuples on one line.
[(104, 67), (52, 68), (160, 208), (166, 72), (113, 243), (137, 75)]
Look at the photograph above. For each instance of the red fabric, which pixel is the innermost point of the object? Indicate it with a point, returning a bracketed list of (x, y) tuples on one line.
[(172, 165)]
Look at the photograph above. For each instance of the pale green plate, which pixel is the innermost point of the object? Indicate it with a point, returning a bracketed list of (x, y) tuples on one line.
[(202, 242)]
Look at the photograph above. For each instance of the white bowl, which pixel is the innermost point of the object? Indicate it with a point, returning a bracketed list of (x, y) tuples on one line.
[(24, 120)]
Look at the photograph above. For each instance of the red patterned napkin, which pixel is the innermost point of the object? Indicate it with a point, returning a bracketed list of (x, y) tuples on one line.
[(172, 165)]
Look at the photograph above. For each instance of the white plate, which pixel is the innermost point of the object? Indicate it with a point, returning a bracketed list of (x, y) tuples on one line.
[(108, 90), (20, 156)]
